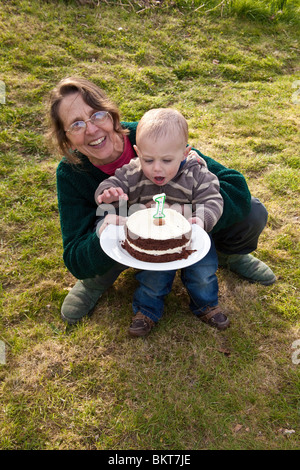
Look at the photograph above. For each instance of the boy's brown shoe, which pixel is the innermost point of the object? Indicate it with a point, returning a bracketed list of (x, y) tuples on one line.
[(214, 316), (141, 325)]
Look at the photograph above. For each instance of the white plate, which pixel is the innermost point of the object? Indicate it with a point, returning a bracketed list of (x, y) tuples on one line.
[(113, 235)]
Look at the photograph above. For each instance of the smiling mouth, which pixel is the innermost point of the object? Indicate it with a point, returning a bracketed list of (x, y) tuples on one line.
[(97, 142)]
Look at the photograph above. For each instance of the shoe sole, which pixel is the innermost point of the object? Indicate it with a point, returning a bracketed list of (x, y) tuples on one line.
[(253, 281), (138, 333), (73, 322), (218, 326), (222, 327)]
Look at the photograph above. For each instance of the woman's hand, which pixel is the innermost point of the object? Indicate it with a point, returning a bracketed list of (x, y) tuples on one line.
[(112, 219), (111, 195), (193, 153)]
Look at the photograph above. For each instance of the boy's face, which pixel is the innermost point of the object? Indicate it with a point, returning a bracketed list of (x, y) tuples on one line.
[(160, 160)]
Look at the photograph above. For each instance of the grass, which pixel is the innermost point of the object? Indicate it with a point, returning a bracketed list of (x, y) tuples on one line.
[(232, 72)]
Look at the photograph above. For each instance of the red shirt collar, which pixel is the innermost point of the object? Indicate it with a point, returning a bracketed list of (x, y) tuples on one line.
[(124, 158)]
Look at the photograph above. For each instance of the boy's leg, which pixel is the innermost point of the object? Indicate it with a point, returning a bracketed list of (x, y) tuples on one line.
[(82, 298), (235, 244), (201, 283), (148, 299)]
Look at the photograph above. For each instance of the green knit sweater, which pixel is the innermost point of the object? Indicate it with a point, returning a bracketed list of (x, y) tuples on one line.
[(76, 186)]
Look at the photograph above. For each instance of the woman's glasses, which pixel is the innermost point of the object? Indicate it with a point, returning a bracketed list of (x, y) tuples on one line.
[(80, 126)]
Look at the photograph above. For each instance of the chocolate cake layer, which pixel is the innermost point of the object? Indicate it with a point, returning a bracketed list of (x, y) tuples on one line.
[(150, 258), (157, 245)]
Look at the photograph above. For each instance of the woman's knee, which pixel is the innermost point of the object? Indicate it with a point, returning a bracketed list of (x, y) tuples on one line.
[(258, 215)]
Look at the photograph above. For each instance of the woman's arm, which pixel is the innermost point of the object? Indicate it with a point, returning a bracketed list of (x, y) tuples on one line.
[(82, 253)]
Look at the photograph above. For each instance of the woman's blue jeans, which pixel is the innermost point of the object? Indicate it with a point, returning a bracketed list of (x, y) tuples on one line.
[(199, 279)]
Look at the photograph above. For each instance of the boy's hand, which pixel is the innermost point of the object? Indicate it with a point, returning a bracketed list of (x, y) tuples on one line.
[(111, 195), (196, 220)]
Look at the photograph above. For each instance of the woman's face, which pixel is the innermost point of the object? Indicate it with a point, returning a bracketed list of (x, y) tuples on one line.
[(101, 145)]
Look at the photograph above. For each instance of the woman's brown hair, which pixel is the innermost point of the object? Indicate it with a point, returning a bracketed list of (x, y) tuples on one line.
[(91, 95)]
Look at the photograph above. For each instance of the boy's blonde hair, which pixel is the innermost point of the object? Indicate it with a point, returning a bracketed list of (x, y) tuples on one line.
[(162, 122)]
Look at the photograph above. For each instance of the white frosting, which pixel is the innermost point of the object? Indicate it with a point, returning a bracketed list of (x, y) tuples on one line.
[(160, 252), (141, 223)]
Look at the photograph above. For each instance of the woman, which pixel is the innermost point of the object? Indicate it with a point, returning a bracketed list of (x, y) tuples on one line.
[(87, 129)]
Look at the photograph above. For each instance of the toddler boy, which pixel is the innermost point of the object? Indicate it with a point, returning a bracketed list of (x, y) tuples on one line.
[(165, 164)]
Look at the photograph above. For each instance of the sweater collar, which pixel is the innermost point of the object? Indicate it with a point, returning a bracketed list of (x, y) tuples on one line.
[(127, 154)]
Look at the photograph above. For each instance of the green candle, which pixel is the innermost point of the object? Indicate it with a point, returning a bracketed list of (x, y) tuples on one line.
[(160, 201)]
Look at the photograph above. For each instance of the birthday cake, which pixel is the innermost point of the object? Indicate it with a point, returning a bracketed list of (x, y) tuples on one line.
[(157, 239)]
